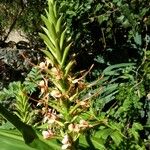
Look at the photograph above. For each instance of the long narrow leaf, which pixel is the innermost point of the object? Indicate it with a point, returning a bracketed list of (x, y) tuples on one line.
[(29, 135), (110, 68)]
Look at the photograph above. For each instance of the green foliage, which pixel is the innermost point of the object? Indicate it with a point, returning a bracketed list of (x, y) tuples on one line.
[(114, 30), (17, 93), (13, 89), (30, 137), (109, 113), (8, 138), (129, 107), (22, 15), (102, 28), (32, 80)]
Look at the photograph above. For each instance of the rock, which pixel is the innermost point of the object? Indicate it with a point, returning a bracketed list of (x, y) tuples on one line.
[(3, 44), (11, 44), (22, 45)]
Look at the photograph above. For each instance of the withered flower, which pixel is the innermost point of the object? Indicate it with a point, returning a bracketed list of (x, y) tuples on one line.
[(56, 73), (74, 127), (47, 134), (42, 65), (66, 142), (65, 139), (84, 124), (66, 146), (84, 104), (52, 119), (50, 116), (56, 94), (42, 83), (43, 86)]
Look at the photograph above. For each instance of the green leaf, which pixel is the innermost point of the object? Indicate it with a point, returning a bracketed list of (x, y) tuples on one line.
[(29, 135), (50, 56), (138, 39), (49, 36), (12, 140), (103, 133), (134, 130), (117, 137), (27, 132), (109, 70), (69, 67), (83, 142), (62, 39), (32, 80), (137, 126), (42, 144), (98, 143), (103, 18), (49, 44), (51, 14), (65, 54)]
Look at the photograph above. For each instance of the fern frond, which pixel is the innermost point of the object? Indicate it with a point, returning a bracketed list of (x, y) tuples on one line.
[(32, 80), (10, 92)]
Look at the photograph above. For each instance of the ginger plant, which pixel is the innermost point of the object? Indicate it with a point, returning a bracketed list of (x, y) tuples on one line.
[(65, 115), (67, 112)]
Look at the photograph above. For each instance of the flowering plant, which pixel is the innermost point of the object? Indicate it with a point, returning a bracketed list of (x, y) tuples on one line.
[(65, 103), (65, 113)]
